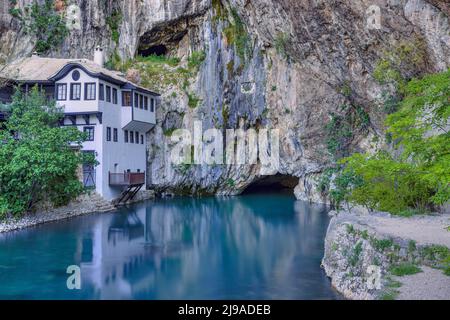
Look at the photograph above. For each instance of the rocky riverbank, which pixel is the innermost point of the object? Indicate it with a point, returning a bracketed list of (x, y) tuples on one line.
[(85, 204), (378, 256)]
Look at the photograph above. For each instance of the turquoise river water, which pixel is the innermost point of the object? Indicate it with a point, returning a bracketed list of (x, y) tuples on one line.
[(251, 247)]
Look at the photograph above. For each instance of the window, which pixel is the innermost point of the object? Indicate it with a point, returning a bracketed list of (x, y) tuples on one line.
[(114, 95), (142, 139), (146, 103), (75, 91), (108, 94), (131, 136), (108, 134), (152, 105), (90, 133), (76, 75), (126, 136), (89, 91), (101, 90), (136, 100), (126, 98), (61, 92), (137, 138), (141, 101), (116, 135)]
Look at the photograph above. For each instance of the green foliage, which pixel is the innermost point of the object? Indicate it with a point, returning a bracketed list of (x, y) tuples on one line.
[(354, 258), (38, 162), (416, 179), (231, 183), (237, 35), (342, 127), (281, 44), (391, 103), (346, 90), (114, 21), (196, 59), (43, 22), (169, 132), (402, 62), (435, 253), (219, 11), (381, 244), (193, 100), (114, 62), (439, 256), (405, 269)]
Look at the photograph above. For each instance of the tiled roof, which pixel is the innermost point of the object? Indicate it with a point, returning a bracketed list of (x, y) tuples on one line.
[(38, 69)]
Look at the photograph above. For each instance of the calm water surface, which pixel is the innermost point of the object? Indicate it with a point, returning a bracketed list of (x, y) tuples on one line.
[(250, 247)]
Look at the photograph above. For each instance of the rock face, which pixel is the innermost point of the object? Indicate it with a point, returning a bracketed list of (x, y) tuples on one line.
[(287, 66), (361, 249)]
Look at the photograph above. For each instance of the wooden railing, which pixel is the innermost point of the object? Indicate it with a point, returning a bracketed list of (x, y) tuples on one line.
[(126, 179)]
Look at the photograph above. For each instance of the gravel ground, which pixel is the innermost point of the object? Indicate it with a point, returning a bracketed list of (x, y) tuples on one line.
[(430, 284), (422, 229)]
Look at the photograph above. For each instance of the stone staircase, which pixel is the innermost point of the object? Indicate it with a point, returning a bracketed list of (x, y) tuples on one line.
[(100, 204)]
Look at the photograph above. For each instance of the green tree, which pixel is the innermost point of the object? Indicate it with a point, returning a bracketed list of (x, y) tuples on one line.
[(417, 174), (38, 158)]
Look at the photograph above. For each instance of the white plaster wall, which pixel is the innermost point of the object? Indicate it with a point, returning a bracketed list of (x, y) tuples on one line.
[(112, 156), (72, 106)]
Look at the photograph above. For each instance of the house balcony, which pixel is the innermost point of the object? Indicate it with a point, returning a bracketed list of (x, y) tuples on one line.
[(134, 119), (127, 179)]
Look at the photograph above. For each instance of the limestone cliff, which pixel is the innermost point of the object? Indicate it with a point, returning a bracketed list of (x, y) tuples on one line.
[(300, 59)]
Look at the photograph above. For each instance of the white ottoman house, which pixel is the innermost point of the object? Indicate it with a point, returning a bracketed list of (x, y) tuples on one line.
[(115, 113)]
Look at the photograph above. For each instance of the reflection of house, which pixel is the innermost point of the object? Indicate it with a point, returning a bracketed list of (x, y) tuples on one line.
[(114, 113), (127, 226)]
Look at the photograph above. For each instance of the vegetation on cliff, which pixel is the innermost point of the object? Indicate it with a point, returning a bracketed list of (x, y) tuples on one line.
[(413, 173), (38, 158), (43, 22)]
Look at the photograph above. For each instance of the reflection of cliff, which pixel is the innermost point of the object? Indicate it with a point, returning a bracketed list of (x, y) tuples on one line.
[(217, 248)]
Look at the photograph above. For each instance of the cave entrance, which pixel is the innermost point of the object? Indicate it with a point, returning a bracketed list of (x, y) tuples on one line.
[(279, 183), (157, 50)]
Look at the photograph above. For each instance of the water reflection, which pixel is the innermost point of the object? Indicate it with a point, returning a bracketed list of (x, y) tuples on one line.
[(251, 247)]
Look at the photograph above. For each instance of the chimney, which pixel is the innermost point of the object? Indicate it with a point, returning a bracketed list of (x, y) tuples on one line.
[(99, 58)]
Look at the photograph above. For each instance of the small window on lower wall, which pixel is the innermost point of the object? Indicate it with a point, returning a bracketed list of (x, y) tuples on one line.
[(131, 136), (126, 136), (90, 132), (108, 134), (137, 137), (115, 135), (142, 139)]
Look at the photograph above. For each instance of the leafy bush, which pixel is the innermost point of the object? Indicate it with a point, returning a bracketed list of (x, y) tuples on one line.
[(38, 162), (114, 21), (405, 269), (43, 22), (237, 35), (403, 61), (418, 176), (341, 129), (196, 59)]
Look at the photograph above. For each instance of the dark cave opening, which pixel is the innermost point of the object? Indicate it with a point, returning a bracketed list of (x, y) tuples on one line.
[(279, 184), (158, 50)]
